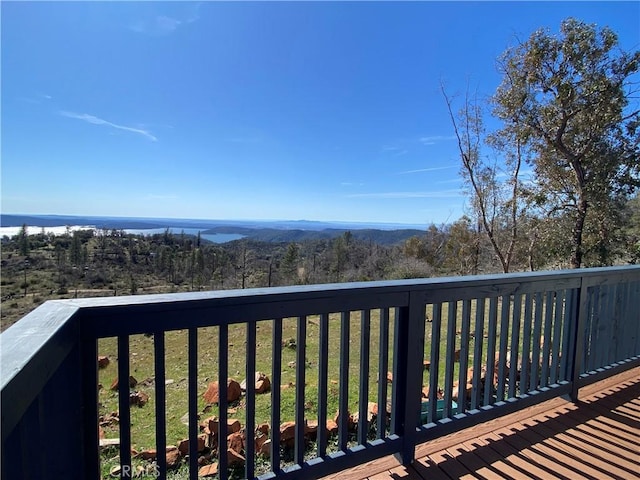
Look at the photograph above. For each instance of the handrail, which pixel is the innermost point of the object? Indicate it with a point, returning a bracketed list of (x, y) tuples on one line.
[(544, 332)]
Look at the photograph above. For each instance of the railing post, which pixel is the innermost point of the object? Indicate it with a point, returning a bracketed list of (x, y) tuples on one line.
[(90, 438), (578, 322), (407, 375)]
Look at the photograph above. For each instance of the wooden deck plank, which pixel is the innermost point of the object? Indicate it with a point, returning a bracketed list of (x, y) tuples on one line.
[(474, 463), (397, 473), (593, 456), (450, 466), (429, 470), (500, 464), (561, 452), (605, 449), (516, 458), (541, 457), (597, 437)]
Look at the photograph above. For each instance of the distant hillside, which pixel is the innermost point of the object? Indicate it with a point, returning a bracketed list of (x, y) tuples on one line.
[(382, 237), (265, 231)]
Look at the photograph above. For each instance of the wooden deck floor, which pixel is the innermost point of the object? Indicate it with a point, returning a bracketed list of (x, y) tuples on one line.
[(597, 438)]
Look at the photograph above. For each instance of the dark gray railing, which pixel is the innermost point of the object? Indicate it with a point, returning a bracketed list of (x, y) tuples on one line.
[(483, 346)]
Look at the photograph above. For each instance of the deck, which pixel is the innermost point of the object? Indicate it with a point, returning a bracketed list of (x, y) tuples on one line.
[(597, 438)]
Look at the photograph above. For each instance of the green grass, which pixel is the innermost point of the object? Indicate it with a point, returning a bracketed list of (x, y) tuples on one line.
[(141, 366)]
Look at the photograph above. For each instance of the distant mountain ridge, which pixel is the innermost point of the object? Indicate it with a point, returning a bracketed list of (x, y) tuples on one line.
[(259, 230)]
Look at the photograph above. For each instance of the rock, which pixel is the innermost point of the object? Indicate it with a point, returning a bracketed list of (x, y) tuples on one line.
[(389, 377), (311, 429), (372, 410), (264, 449), (332, 427), (261, 382), (235, 441), (426, 364), (263, 428), (132, 383), (138, 398), (234, 391), (457, 391), (173, 457), (233, 425), (148, 454), (351, 424), (287, 431), (263, 385), (103, 361), (208, 470), (209, 425), (425, 392), (233, 457), (183, 445)]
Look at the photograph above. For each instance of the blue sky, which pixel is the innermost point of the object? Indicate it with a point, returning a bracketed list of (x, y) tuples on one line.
[(269, 110)]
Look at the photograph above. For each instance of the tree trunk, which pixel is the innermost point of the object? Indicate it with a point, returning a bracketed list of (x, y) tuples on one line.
[(576, 253)]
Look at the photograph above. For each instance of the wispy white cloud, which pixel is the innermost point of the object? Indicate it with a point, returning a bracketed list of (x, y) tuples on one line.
[(165, 25), (35, 99), (99, 121), (430, 169), (433, 139), (438, 194)]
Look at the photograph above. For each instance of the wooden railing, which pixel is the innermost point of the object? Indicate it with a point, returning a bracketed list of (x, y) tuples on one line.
[(460, 351)]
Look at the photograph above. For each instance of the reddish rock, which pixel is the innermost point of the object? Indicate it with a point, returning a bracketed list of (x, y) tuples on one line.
[(459, 392), (208, 470), (264, 449), (311, 429), (138, 398), (263, 428), (287, 431), (103, 361), (233, 392), (261, 382), (233, 425), (263, 386), (132, 383), (183, 445), (235, 441), (234, 458), (351, 424), (210, 426), (148, 454), (173, 457), (332, 427)]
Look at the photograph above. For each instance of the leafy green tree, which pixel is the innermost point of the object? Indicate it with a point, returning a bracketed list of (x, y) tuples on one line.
[(567, 96)]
